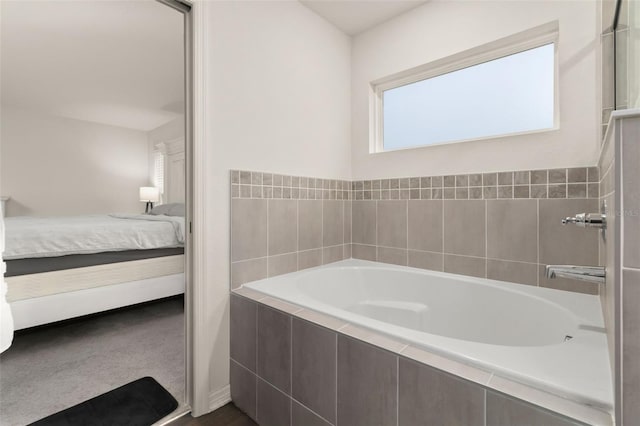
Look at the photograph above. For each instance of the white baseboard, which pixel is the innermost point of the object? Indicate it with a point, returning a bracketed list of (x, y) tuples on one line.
[(219, 398)]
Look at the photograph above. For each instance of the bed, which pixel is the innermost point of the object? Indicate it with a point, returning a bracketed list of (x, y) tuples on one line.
[(64, 267)]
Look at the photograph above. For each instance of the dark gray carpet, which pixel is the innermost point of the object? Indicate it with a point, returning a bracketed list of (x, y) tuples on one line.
[(49, 369)]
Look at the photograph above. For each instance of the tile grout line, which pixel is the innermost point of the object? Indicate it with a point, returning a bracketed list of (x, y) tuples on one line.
[(407, 233), (443, 222), (538, 241), (298, 235), (322, 232), (486, 237), (268, 206), (485, 405)]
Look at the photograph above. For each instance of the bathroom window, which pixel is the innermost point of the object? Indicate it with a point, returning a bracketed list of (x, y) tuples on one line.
[(480, 94)]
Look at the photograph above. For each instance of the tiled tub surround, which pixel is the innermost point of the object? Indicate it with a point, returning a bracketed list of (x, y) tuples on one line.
[(620, 252), (507, 240), (293, 366), (504, 226), (279, 229)]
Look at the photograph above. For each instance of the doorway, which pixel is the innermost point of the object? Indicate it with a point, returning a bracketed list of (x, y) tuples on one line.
[(20, 203)]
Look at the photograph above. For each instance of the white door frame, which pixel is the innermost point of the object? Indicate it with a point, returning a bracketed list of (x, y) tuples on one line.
[(197, 331)]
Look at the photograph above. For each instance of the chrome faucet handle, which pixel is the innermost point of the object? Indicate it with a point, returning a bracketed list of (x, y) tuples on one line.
[(583, 220)]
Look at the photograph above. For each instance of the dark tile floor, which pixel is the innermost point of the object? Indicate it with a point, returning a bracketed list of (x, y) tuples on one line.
[(228, 415)]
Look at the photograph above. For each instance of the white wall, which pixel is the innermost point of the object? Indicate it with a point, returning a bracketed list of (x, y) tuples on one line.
[(169, 131), (278, 99), (442, 28), (59, 166)]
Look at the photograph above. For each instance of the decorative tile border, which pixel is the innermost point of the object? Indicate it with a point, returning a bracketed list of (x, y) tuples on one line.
[(579, 182), (246, 184)]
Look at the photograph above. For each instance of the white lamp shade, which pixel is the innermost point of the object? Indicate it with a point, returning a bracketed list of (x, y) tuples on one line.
[(149, 193)]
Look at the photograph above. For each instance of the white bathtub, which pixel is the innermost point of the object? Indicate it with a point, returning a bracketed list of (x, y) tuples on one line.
[(548, 339)]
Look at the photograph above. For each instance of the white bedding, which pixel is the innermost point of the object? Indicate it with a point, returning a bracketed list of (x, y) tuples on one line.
[(29, 237)]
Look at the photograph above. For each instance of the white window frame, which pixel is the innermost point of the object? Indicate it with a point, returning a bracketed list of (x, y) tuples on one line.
[(520, 42)]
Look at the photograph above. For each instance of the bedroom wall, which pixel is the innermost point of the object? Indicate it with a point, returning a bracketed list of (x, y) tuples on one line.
[(416, 38), (276, 103), (169, 131), (59, 166)]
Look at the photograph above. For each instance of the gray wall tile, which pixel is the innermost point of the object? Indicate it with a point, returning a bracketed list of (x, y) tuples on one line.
[(505, 178), (577, 190), (631, 348), (367, 384), (248, 229), (274, 347), (631, 191), (608, 74), (283, 226), (472, 266), (363, 252), (521, 178), (539, 176), (333, 222), (243, 388), (248, 270), (332, 254), (283, 264), (243, 331), (566, 244), (309, 224), (301, 416), (363, 228), (347, 221), (515, 272), (425, 225), (521, 191), (557, 191), (464, 227), (309, 258), (314, 368), (392, 224), (274, 407), (430, 397), (512, 230), (425, 260), (489, 179), (392, 255), (475, 179), (505, 411), (577, 174), (558, 176), (505, 192)]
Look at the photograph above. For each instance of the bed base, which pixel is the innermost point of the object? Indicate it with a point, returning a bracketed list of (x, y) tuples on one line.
[(36, 311)]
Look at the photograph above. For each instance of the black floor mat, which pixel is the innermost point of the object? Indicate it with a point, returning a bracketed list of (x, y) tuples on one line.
[(139, 403)]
